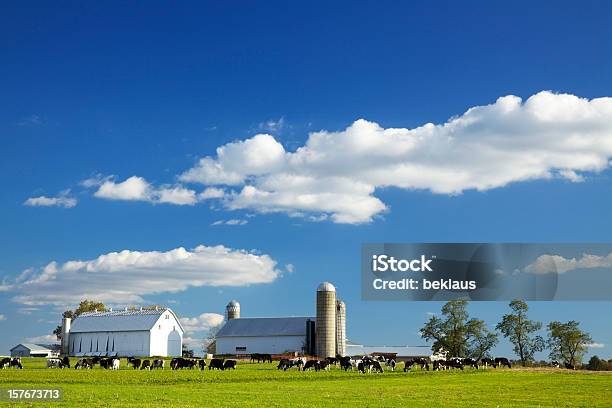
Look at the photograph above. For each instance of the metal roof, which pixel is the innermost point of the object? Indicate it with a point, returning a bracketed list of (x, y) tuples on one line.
[(265, 326), (119, 320), (326, 287), (35, 347)]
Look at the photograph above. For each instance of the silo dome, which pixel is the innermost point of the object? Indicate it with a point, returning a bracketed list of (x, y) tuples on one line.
[(233, 303), (326, 287), (233, 310)]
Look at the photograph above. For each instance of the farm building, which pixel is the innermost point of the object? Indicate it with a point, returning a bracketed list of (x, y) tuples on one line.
[(35, 350), (398, 353), (323, 335), (123, 333)]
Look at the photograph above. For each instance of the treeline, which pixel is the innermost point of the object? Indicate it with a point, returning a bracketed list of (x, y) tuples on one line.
[(462, 336)]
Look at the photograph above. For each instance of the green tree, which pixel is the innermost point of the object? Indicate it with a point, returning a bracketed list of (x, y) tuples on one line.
[(596, 364), (84, 306), (482, 340), (517, 328), (567, 342), (456, 333)]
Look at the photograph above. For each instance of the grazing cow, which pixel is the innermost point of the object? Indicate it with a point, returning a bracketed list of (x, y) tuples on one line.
[(332, 360), (391, 364), (470, 362), (361, 367), (375, 365), (283, 364), (115, 363), (570, 366), (84, 363), (105, 363), (158, 363), (229, 365), (134, 362), (146, 365), (202, 364), (216, 364), (501, 361), (324, 365), (5, 362), (180, 363), (454, 363), (259, 357), (555, 364), (487, 362), (420, 362), (54, 363), (345, 363), (66, 362), (316, 364)]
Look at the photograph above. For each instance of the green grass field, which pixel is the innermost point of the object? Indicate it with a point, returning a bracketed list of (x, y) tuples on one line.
[(263, 385)]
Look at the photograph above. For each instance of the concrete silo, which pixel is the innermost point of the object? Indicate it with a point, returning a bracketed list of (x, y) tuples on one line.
[(340, 328), (326, 320), (233, 310)]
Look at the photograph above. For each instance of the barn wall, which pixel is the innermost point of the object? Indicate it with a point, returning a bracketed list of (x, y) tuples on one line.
[(124, 344), (271, 345), (166, 337), (20, 351)]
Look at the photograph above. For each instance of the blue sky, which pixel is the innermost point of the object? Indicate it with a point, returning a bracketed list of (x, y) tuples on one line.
[(93, 91)]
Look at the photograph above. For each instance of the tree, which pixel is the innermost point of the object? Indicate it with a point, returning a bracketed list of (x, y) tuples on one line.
[(211, 339), (567, 342), (456, 333), (84, 306), (187, 352), (517, 328), (483, 340), (596, 364)]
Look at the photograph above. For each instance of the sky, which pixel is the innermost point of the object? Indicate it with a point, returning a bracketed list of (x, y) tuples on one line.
[(188, 154)]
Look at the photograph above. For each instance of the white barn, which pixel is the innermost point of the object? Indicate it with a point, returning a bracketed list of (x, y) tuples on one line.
[(124, 333), (274, 335), (35, 350)]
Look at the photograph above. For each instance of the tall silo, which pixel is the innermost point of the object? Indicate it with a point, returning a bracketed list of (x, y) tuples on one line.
[(66, 321), (340, 328), (233, 310), (326, 320)]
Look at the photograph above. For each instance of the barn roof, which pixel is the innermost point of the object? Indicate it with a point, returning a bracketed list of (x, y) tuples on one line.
[(265, 326), (353, 349), (35, 347), (119, 320)]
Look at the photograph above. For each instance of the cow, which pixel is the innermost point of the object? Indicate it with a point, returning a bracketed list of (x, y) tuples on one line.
[(324, 365), (316, 364), (54, 363), (229, 365), (487, 362), (332, 360), (555, 364), (115, 363), (391, 364), (454, 363), (501, 361), (84, 363), (470, 362), (134, 362), (375, 365), (106, 363), (216, 364), (261, 357), (361, 367), (570, 366), (421, 362), (146, 365), (66, 362), (345, 363), (202, 364)]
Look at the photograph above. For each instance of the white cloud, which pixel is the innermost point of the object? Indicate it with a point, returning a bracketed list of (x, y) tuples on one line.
[(122, 278), (2, 317), (202, 323), (558, 264), (289, 267), (273, 126), (62, 200), (596, 345), (337, 173), (210, 193), (232, 222), (138, 189), (43, 339)]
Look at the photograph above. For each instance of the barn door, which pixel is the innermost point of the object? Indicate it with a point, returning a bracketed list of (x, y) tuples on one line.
[(174, 344)]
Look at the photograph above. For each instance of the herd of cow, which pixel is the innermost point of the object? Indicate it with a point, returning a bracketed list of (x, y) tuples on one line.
[(437, 361), (375, 363)]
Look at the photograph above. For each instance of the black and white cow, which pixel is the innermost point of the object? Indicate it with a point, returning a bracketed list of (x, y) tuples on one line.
[(158, 363), (501, 361), (229, 365), (216, 364), (312, 364)]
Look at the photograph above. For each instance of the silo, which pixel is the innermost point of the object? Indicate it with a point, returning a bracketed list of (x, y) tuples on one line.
[(66, 322), (233, 310), (326, 320), (340, 328)]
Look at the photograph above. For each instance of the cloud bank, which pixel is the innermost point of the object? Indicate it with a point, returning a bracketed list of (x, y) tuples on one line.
[(138, 189), (62, 200), (337, 173), (558, 264), (122, 278), (202, 323)]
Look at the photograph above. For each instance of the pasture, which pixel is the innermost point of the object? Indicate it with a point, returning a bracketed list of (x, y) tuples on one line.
[(261, 384)]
